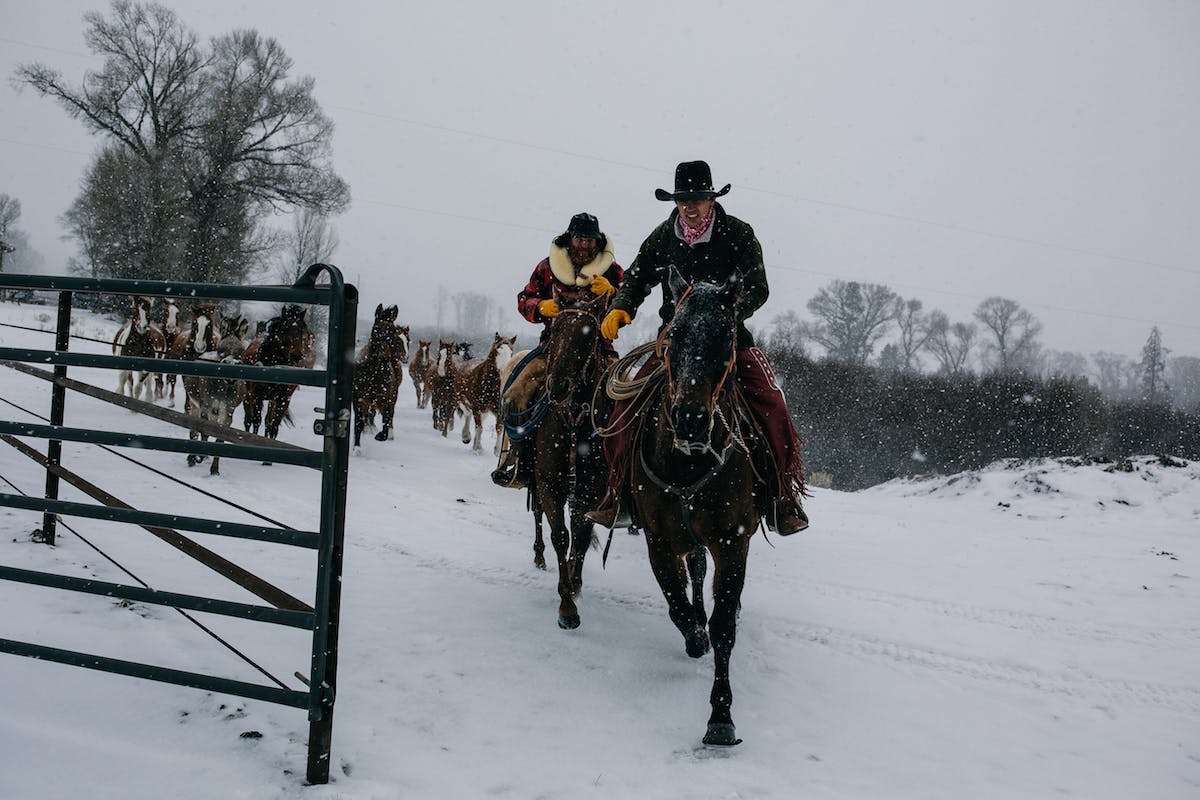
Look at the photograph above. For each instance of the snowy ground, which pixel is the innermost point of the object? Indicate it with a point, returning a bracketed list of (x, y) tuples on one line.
[(1026, 631)]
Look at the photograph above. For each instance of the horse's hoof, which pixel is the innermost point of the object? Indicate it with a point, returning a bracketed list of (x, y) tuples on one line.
[(721, 733), (696, 643), (540, 563), (381, 437), (568, 622)]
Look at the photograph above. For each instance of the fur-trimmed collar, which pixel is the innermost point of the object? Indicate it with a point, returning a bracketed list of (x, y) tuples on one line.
[(564, 270)]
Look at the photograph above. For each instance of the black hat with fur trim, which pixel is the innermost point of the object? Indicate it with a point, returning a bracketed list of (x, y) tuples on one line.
[(693, 181), (583, 226)]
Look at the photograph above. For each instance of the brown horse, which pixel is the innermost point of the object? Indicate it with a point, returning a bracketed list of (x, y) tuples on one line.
[(138, 338), (418, 368), (164, 383), (693, 482), (288, 342), (377, 374), (215, 399), (439, 384), (478, 391), (569, 470)]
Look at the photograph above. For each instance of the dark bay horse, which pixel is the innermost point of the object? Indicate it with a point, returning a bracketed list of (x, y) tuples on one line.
[(140, 338), (478, 391), (377, 374), (439, 384), (287, 341), (693, 482), (569, 470), (418, 368)]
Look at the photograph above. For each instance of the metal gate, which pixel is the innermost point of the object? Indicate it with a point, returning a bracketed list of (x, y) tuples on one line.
[(332, 461)]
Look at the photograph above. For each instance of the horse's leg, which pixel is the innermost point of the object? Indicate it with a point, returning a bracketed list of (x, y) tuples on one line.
[(477, 446), (568, 613), (729, 576), (671, 574), (581, 540), (499, 434), (697, 566), (539, 543), (468, 415), (359, 423), (171, 379), (386, 412)]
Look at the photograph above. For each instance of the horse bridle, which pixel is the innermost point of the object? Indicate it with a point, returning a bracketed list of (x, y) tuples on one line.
[(710, 403), (585, 370)]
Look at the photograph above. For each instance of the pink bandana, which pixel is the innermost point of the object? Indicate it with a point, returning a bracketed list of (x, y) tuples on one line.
[(690, 234)]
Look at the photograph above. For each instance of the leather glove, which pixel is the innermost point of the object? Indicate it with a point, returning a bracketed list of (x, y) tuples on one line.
[(601, 285), (613, 320), (548, 308)]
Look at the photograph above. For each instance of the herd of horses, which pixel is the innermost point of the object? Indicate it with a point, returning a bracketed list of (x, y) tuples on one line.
[(693, 487)]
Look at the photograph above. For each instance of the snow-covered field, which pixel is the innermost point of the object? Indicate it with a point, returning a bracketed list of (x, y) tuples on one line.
[(1027, 631)]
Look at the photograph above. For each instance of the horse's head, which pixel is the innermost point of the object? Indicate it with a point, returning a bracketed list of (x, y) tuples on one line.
[(205, 332), (501, 350), (444, 359), (423, 350), (170, 310), (573, 346), (287, 340), (236, 327), (402, 340), (384, 341), (140, 315), (699, 350)]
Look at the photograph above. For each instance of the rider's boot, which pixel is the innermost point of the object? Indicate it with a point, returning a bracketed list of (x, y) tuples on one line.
[(511, 473), (788, 517), (612, 513)]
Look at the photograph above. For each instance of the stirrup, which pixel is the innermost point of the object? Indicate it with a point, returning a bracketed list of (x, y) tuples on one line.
[(612, 517)]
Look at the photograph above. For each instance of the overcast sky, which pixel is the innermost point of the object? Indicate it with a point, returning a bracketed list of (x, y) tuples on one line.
[(1044, 151)]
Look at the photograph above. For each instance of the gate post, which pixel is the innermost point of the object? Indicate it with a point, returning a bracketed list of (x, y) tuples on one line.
[(58, 404)]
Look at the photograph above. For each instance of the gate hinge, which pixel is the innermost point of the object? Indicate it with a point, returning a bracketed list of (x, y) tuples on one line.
[(336, 426)]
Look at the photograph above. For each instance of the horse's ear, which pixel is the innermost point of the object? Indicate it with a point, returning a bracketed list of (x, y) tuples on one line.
[(379, 311), (393, 312), (676, 282), (243, 327)]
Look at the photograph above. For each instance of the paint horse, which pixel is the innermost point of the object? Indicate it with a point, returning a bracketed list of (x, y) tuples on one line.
[(138, 338), (418, 368), (215, 399), (287, 341), (478, 391), (693, 482), (377, 374), (439, 383), (164, 383)]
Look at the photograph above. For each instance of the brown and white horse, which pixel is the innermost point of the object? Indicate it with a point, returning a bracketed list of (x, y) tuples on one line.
[(439, 384), (418, 368), (164, 383), (214, 399), (478, 391), (138, 338)]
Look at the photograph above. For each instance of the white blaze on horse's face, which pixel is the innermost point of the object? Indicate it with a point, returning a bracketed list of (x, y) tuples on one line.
[(403, 337), (141, 320), (503, 355), (172, 323), (443, 356), (201, 343)]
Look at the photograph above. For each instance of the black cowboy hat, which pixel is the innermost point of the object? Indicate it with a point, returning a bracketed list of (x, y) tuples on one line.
[(693, 181), (584, 226)]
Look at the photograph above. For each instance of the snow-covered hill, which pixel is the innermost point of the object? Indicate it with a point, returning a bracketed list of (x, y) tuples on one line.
[(1028, 630)]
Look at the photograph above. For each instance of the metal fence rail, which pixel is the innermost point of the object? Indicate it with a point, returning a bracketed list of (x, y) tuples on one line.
[(322, 619)]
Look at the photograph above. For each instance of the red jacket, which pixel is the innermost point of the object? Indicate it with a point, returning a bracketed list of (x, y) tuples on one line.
[(558, 271)]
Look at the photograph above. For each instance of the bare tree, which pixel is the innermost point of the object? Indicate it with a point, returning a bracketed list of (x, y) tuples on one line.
[(1183, 375), (786, 333), (223, 134), (850, 318), (312, 240), (950, 344), (914, 330), (1065, 364), (10, 212), (1111, 370), (1013, 346)]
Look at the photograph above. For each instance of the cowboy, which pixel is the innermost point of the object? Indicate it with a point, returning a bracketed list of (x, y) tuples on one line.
[(702, 242), (580, 258)]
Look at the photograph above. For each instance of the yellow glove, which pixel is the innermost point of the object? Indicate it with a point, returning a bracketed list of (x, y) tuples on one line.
[(613, 320), (600, 285), (548, 308)]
